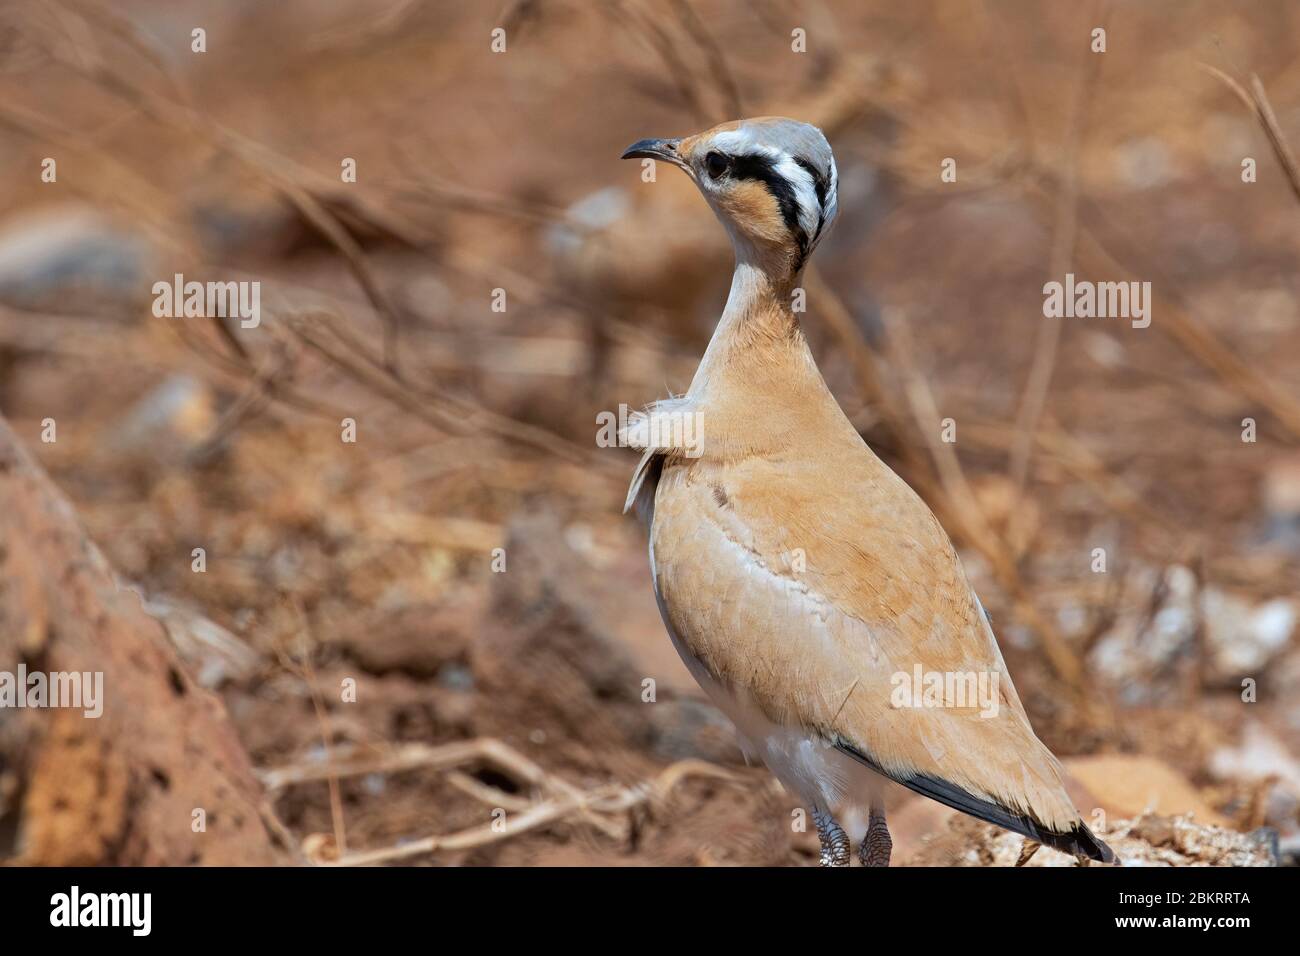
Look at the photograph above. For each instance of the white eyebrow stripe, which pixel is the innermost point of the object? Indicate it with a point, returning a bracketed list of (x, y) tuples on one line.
[(805, 193)]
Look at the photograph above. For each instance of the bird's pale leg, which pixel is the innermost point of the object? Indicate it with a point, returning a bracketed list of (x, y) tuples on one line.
[(835, 842), (876, 845)]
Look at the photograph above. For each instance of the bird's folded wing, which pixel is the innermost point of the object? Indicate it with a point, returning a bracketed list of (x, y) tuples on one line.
[(842, 606)]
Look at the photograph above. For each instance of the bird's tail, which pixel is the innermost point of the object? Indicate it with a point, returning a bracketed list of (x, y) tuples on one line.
[(1079, 841)]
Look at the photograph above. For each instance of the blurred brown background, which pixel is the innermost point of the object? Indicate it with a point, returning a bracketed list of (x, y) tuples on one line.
[(329, 561)]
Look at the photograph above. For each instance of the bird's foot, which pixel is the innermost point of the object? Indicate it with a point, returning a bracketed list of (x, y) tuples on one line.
[(876, 845), (835, 842)]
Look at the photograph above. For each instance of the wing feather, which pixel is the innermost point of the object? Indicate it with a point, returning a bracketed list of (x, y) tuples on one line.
[(813, 600)]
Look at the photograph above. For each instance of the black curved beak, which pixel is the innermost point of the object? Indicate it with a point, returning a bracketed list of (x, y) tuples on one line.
[(665, 149)]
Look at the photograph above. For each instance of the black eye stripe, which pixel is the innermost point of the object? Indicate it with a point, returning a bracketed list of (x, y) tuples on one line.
[(762, 168)]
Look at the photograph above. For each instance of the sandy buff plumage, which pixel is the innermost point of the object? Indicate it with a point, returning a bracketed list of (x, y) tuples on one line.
[(797, 575)]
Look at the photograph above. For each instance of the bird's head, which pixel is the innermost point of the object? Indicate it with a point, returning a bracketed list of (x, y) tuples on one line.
[(772, 182)]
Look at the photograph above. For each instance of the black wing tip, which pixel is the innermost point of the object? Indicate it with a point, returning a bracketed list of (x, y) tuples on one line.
[(1077, 841), (1080, 841)]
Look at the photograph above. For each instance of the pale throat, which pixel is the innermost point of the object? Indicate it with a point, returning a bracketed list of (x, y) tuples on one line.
[(758, 326)]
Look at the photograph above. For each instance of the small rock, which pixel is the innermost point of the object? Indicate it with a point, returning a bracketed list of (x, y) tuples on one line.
[(70, 258), (1243, 639), (1281, 495), (594, 212), (1129, 785), (174, 417), (1282, 489), (1259, 756), (213, 654), (1141, 648), (1144, 163)]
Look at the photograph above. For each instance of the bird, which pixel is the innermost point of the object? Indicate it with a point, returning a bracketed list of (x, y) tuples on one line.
[(807, 588)]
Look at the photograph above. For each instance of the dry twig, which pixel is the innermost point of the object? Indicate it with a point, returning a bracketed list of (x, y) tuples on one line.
[(555, 798)]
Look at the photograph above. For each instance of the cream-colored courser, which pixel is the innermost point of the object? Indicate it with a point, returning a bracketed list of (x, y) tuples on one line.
[(798, 576)]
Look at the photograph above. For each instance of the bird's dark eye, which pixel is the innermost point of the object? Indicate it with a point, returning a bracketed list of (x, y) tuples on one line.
[(716, 164)]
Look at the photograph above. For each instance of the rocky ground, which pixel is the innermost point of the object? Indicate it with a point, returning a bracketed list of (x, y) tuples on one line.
[(352, 612)]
